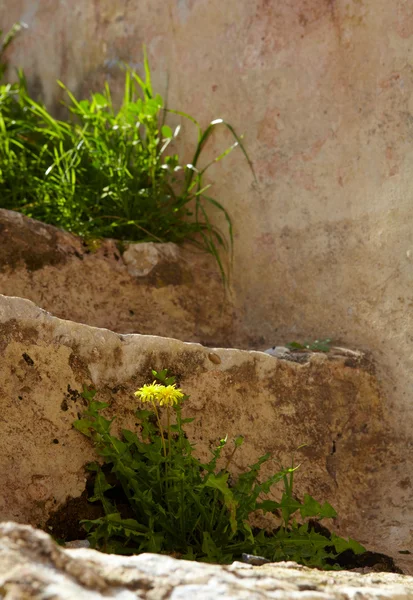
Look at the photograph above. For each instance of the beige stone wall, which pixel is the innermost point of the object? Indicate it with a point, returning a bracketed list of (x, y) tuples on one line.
[(323, 91)]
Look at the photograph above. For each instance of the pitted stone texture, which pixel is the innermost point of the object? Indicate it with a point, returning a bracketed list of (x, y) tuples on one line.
[(351, 459), (141, 259), (157, 289), (33, 566)]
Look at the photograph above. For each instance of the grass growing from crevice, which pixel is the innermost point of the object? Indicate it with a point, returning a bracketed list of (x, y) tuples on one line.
[(315, 346), (111, 172), (157, 497)]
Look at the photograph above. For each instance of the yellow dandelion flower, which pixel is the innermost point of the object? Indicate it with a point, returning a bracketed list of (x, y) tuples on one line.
[(149, 392), (169, 395)]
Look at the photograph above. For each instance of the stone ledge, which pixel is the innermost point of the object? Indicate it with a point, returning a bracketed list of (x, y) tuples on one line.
[(157, 289), (33, 566)]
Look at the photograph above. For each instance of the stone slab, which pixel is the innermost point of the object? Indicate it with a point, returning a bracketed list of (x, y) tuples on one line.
[(32, 566)]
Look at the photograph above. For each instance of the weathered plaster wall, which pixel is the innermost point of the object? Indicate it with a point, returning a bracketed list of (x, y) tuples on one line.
[(323, 90)]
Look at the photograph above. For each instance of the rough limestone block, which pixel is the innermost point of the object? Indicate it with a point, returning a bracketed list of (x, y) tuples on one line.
[(161, 289), (331, 404), (32, 566)]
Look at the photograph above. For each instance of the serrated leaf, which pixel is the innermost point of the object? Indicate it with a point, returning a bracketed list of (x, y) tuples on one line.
[(341, 545), (289, 506), (88, 394), (268, 505), (84, 426), (310, 507), (93, 466), (209, 547), (327, 511), (220, 483), (130, 526), (143, 414), (96, 406), (131, 437), (102, 486)]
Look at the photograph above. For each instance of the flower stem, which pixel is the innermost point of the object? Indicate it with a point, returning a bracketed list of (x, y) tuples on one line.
[(160, 427), (230, 459), (169, 432)]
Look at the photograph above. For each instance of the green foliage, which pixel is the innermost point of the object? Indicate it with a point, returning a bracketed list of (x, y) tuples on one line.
[(316, 346), (108, 172), (157, 497)]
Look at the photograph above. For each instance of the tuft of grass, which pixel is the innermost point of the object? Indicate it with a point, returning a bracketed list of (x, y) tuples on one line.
[(316, 346), (111, 172)]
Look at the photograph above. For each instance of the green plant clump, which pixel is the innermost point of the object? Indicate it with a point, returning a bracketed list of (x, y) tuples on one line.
[(108, 172), (170, 502), (316, 346)]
